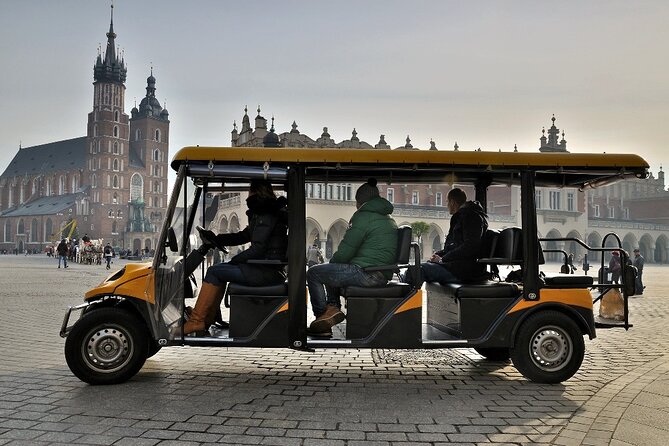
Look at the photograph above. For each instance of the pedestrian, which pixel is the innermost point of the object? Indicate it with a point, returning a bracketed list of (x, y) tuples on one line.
[(314, 256), (615, 267), (109, 252), (639, 261), (62, 250)]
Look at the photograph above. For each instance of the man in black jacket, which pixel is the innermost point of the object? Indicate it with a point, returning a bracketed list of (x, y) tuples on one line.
[(457, 261)]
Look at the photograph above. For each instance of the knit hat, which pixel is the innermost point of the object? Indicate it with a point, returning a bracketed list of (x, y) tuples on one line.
[(367, 191)]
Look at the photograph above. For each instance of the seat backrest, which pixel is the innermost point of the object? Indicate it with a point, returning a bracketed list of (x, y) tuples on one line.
[(403, 244), (509, 245), (488, 243)]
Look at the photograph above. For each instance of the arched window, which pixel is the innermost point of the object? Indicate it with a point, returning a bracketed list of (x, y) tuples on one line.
[(158, 135), (115, 148), (95, 130), (75, 183), (115, 131), (34, 235), (138, 134), (114, 228), (110, 214), (48, 229), (20, 227), (156, 155), (8, 231), (115, 163), (116, 116), (48, 188), (84, 206), (115, 198), (115, 182), (136, 187), (94, 181), (21, 193), (119, 213)]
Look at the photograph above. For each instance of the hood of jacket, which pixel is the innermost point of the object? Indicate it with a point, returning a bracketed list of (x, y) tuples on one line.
[(378, 205), (474, 206), (258, 205)]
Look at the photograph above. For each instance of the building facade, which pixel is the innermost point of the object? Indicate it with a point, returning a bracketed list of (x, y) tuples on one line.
[(110, 184), (637, 210)]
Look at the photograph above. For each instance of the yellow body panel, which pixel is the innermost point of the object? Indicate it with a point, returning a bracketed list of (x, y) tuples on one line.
[(137, 282), (579, 297), (415, 301)]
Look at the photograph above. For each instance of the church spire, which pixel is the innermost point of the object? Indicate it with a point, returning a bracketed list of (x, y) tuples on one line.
[(110, 69)]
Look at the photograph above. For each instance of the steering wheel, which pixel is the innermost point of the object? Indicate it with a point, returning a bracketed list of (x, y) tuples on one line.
[(208, 238)]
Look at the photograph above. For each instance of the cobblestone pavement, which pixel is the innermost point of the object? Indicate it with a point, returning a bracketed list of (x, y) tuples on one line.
[(187, 396)]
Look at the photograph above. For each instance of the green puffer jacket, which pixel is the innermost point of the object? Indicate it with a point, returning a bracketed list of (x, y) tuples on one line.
[(371, 237)]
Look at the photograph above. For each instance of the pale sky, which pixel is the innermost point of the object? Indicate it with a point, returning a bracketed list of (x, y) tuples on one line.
[(486, 74)]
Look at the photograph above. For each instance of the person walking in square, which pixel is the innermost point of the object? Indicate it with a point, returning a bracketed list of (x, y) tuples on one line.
[(639, 261)]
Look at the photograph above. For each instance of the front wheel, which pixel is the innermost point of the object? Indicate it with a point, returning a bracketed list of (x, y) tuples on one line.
[(549, 348), (107, 346)]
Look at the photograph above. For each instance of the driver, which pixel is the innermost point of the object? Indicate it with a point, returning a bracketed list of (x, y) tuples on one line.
[(267, 232)]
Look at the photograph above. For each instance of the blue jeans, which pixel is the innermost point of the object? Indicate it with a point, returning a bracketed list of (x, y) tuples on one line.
[(64, 259), (108, 259), (325, 280), (221, 273), (436, 272)]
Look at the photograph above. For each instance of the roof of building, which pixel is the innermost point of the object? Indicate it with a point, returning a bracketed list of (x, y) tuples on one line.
[(43, 206), (55, 156)]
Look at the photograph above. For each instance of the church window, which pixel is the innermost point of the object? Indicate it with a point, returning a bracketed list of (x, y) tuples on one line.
[(116, 116), (34, 236), (110, 214), (48, 189), (115, 182), (95, 130), (115, 198), (61, 185), (138, 134), (158, 135), (115, 165), (119, 213), (48, 229), (94, 181), (156, 155), (115, 148), (136, 187), (115, 131), (35, 183), (75, 184), (8, 231), (20, 227), (114, 228)]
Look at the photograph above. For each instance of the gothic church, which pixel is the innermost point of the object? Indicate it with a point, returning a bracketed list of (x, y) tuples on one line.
[(110, 184)]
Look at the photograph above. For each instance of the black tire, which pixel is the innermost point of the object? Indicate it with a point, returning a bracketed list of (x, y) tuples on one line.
[(549, 348), (153, 348), (107, 346), (494, 353)]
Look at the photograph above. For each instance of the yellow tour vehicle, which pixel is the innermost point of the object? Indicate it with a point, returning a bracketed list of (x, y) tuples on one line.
[(539, 320)]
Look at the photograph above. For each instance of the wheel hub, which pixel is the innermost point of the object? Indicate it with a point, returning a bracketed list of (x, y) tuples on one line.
[(550, 348), (107, 349)]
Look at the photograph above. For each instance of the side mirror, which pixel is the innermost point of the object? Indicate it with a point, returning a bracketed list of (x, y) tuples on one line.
[(172, 240)]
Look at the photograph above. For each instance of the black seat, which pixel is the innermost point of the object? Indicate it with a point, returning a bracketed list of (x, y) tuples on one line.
[(506, 248), (270, 290), (487, 289), (391, 289), (568, 281)]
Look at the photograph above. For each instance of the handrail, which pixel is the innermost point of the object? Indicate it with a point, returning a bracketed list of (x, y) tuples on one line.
[(602, 287)]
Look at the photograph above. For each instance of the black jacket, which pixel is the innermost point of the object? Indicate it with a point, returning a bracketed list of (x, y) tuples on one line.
[(267, 232), (464, 242)]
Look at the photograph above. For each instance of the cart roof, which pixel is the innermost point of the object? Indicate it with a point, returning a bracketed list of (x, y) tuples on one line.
[(338, 164)]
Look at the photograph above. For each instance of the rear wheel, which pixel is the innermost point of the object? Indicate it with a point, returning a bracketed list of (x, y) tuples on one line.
[(549, 348), (107, 346), (494, 353)]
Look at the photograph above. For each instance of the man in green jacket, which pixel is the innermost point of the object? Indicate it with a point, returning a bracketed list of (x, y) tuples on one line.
[(370, 240)]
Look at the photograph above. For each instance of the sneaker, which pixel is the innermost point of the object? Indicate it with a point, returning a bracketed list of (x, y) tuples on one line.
[(331, 317)]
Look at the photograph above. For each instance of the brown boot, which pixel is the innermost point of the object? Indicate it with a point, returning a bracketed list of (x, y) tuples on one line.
[(204, 309), (331, 317)]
